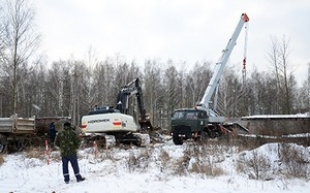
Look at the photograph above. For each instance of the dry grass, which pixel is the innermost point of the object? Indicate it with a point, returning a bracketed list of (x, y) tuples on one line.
[(296, 161), (178, 167), (138, 162), (205, 158), (208, 169), (1, 159), (293, 162), (241, 166), (35, 153)]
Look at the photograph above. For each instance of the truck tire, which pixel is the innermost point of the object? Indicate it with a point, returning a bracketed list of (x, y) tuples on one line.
[(211, 133), (203, 136), (20, 144), (177, 140), (3, 143)]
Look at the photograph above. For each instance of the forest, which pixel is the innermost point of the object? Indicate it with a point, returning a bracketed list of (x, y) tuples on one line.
[(30, 85)]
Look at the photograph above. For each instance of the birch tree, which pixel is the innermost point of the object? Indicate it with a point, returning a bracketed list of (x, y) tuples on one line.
[(279, 57), (19, 42), (152, 86), (303, 102)]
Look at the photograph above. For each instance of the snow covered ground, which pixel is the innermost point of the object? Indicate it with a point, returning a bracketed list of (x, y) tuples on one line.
[(163, 168)]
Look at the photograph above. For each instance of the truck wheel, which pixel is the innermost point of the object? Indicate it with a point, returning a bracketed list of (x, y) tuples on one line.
[(203, 136), (211, 133), (19, 145), (138, 141), (177, 140), (3, 143)]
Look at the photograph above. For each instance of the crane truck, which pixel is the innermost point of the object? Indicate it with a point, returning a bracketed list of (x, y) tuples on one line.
[(203, 121), (109, 126)]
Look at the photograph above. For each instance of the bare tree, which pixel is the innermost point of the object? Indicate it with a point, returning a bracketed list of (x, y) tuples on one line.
[(77, 71), (279, 56), (307, 88), (261, 92), (273, 58), (20, 41), (32, 97), (303, 102), (59, 88), (284, 54), (172, 89), (2, 35), (88, 80), (232, 94), (197, 81), (153, 94)]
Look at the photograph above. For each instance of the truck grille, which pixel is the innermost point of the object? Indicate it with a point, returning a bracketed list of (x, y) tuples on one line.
[(183, 130)]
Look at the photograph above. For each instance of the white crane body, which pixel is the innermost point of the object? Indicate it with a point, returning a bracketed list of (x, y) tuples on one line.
[(206, 102)]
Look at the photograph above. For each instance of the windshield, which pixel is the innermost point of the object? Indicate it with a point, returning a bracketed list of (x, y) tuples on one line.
[(189, 114), (178, 114), (192, 115)]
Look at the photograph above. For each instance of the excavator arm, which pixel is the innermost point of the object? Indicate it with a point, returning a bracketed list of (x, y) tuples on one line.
[(133, 88)]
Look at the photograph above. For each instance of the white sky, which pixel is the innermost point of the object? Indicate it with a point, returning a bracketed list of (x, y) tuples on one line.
[(181, 30)]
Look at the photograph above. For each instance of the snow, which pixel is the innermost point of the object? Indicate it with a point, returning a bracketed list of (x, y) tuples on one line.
[(159, 168), (296, 116), (298, 135)]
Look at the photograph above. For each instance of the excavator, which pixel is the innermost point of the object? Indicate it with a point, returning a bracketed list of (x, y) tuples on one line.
[(203, 121), (109, 126)]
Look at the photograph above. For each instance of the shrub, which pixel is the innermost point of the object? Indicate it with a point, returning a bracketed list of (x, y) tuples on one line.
[(255, 165), (296, 160)]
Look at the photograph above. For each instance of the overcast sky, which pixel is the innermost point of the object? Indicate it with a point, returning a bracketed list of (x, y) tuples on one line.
[(181, 30)]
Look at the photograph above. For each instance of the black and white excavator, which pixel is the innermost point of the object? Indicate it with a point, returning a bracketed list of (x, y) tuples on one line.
[(109, 126)]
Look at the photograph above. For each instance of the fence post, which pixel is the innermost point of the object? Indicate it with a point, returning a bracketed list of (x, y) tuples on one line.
[(47, 152)]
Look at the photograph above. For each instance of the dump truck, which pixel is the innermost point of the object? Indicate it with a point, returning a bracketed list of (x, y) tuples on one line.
[(16, 132)]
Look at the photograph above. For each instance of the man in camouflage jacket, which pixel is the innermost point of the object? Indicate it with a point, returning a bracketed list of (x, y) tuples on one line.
[(68, 142)]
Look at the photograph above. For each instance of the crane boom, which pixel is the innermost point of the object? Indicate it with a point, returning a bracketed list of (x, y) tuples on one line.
[(214, 82)]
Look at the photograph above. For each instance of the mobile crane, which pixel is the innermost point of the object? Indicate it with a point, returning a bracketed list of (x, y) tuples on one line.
[(203, 121), (110, 125)]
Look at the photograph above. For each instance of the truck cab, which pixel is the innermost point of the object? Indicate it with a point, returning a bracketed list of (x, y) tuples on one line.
[(192, 123)]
